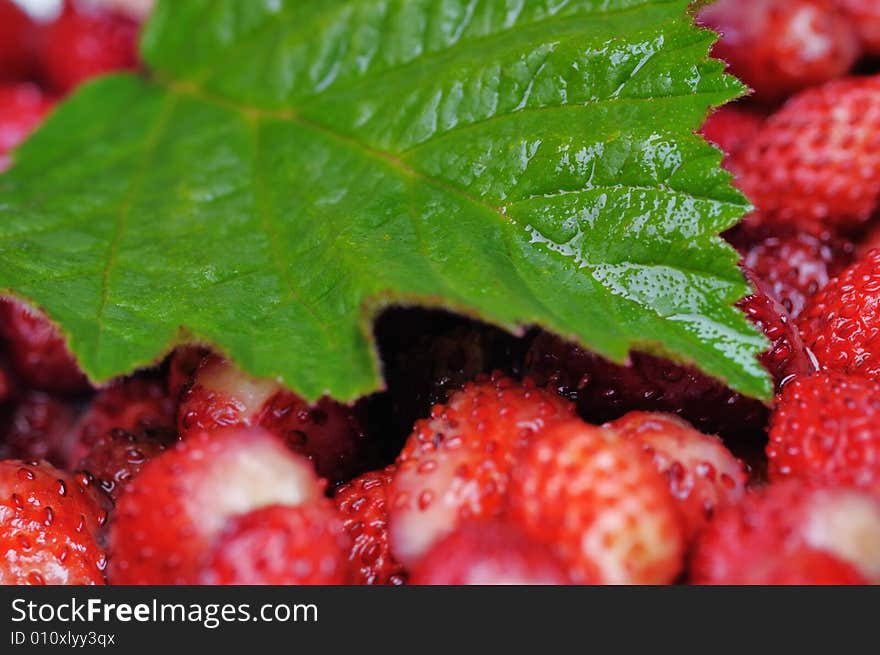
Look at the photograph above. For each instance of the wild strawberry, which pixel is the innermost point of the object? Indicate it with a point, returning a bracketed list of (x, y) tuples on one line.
[(456, 464), (363, 505), (600, 503), (841, 325), (864, 15), (605, 391), (86, 41), (808, 567), (488, 553), (846, 523), (702, 474), (40, 427), (730, 128), (752, 542), (137, 9), (50, 525), (280, 545), (37, 350), (221, 395), (16, 42), (326, 432), (22, 108), (168, 517), (118, 456), (138, 404), (792, 264), (826, 429), (778, 47), (787, 355), (817, 160)]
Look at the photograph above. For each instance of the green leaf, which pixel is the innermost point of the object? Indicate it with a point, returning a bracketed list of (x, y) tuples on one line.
[(289, 167)]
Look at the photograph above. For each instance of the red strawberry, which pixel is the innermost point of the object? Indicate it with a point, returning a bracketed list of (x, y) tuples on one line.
[(363, 504), (778, 47), (280, 545), (22, 109), (600, 502), (809, 567), (787, 355), (40, 428), (37, 350), (456, 464), (85, 41), (762, 538), (841, 325), (118, 456), (138, 404), (49, 527), (16, 41), (826, 428), (731, 127), (168, 517), (137, 9), (864, 15), (817, 160), (702, 474), (221, 395), (326, 432), (605, 391), (488, 553), (792, 264)]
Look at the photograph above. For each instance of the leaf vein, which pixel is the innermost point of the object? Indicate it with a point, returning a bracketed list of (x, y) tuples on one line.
[(163, 115), (274, 239)]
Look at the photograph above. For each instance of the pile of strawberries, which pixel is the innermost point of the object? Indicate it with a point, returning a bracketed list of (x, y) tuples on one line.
[(42, 62), (491, 458)]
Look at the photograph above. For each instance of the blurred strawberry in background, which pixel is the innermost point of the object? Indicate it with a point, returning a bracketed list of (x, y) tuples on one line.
[(778, 47), (49, 48), (17, 33), (22, 107), (86, 40)]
